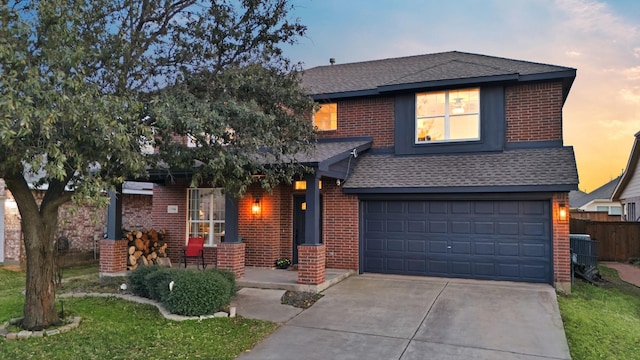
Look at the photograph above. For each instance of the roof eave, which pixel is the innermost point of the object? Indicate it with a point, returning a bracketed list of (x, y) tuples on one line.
[(461, 189)]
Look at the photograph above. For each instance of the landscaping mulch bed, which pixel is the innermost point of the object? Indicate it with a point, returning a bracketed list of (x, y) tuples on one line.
[(300, 299)]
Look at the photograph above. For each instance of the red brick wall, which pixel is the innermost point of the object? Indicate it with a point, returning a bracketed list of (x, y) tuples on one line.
[(365, 117), (311, 264), (534, 112), (262, 234), (561, 244), (340, 227), (136, 212)]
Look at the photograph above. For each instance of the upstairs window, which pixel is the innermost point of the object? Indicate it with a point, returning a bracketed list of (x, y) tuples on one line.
[(451, 115), (326, 118)]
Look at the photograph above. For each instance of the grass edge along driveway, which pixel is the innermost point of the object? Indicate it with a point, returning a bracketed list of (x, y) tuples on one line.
[(602, 322)]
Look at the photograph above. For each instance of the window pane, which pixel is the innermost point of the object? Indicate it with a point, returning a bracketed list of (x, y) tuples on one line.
[(464, 127), (602, 208), (430, 129), (615, 210), (430, 104), (326, 118), (206, 214), (464, 101)]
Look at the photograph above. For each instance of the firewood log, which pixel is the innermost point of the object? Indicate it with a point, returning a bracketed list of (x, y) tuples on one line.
[(132, 249), (138, 234), (139, 244), (137, 254), (132, 260), (144, 260)]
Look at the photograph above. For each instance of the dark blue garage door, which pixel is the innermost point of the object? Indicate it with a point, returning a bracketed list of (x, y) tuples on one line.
[(498, 240)]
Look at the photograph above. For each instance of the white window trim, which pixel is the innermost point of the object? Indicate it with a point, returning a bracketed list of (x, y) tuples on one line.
[(210, 241), (447, 121)]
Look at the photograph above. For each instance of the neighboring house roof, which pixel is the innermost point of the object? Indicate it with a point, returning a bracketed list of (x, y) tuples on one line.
[(422, 71), (543, 169), (632, 165), (602, 193), (574, 198)]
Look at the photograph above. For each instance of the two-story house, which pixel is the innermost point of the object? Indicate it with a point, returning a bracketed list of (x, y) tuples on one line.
[(449, 164)]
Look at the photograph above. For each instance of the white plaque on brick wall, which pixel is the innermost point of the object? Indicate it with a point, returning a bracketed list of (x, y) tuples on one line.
[(172, 209)]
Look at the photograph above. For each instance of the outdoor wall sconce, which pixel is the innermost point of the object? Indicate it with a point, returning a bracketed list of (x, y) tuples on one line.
[(256, 208), (562, 212), (303, 206)]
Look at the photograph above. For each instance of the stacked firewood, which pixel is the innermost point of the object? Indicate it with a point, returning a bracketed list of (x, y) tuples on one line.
[(146, 247)]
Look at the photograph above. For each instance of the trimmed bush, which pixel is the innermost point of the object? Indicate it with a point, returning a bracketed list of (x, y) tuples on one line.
[(230, 277), (198, 293), (138, 282), (158, 282)]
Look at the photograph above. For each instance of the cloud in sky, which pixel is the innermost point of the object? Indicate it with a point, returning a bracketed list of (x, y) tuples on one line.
[(601, 39)]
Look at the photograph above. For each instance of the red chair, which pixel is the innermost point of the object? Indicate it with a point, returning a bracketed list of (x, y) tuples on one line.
[(194, 249)]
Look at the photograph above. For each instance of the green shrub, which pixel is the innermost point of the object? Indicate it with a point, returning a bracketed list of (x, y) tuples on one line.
[(138, 282), (230, 277), (198, 293), (158, 282)]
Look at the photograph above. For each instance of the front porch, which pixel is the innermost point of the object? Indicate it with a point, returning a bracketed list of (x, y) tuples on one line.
[(267, 278)]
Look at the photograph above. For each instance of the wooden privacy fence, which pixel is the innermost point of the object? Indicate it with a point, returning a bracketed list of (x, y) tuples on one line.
[(617, 241)]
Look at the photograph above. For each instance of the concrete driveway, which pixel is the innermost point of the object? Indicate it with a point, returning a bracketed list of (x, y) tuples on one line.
[(408, 318)]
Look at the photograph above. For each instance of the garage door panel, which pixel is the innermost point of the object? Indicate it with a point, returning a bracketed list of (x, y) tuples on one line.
[(460, 227), (483, 227), (417, 246), (438, 227), (506, 228), (501, 240), (461, 247), (534, 229), (395, 226)]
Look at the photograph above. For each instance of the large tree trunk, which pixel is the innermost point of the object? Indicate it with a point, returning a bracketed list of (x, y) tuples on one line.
[(39, 305), (39, 222)]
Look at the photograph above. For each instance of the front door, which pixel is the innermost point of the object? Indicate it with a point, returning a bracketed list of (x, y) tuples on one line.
[(299, 208)]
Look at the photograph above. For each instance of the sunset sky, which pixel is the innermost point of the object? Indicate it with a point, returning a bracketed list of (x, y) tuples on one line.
[(601, 39)]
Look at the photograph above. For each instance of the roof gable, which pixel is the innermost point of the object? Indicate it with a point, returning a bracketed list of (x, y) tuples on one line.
[(604, 192), (422, 71), (631, 169)]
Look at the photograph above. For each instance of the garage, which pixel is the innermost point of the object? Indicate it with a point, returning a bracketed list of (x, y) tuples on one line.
[(480, 239)]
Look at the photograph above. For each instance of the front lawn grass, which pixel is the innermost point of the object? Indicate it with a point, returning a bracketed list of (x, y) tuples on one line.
[(118, 329), (602, 322)]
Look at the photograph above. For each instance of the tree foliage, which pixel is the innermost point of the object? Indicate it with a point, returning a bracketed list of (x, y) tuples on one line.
[(85, 86)]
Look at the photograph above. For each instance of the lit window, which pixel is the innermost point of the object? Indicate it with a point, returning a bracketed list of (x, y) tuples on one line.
[(206, 215), (452, 115), (326, 118), (302, 185)]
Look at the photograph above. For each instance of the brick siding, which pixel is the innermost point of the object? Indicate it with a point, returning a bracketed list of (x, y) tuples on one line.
[(365, 117), (311, 264), (561, 244), (340, 227), (262, 233), (534, 112)]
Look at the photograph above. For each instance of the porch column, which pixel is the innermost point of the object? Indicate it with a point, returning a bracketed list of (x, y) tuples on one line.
[(231, 219), (311, 254), (113, 250)]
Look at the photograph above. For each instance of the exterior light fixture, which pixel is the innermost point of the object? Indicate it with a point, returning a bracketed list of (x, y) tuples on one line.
[(562, 212), (303, 206), (256, 207)]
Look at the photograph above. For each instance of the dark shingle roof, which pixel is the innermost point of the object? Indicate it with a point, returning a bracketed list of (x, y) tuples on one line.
[(522, 168), (326, 150), (604, 192), (387, 74)]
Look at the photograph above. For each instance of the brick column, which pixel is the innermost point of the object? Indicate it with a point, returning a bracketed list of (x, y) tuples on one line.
[(231, 257), (113, 257), (311, 264)]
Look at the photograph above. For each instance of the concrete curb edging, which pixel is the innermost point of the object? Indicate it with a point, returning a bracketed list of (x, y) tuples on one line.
[(142, 300), (25, 334)]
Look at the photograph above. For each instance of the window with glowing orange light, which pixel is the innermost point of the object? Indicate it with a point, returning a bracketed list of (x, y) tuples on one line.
[(326, 118), (450, 115)]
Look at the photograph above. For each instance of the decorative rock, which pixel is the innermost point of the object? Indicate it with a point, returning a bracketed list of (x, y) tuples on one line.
[(232, 311), (24, 334), (52, 332), (38, 334), (221, 314), (15, 321), (12, 336), (3, 332), (64, 329)]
